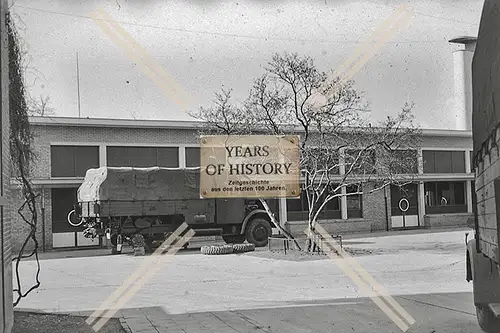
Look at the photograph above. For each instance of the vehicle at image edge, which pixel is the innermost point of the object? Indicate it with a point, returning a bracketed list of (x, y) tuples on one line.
[(482, 255), (121, 202)]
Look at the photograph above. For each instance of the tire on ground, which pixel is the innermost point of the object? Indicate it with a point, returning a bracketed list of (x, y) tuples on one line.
[(258, 232), (241, 248), (486, 319), (216, 249)]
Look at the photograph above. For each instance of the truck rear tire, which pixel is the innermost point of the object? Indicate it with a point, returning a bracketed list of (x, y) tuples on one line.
[(258, 232), (487, 320)]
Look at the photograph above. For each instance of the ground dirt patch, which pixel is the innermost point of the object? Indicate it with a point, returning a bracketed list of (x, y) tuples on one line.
[(59, 323)]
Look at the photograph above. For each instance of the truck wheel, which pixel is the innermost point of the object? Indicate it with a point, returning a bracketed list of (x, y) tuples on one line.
[(258, 232), (234, 239), (486, 319)]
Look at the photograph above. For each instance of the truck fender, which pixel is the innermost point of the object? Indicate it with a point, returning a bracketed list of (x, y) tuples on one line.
[(468, 267), (250, 216), (471, 254)]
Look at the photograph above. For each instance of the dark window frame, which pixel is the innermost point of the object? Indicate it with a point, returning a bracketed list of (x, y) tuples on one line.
[(369, 157), (332, 162), (187, 156), (444, 161), (354, 212), (75, 165), (452, 207), (403, 154), (123, 153), (302, 215)]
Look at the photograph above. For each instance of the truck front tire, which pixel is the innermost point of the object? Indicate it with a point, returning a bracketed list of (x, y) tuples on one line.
[(258, 232), (487, 320)]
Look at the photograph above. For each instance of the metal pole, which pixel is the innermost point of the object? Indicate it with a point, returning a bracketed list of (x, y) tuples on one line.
[(43, 219), (78, 84)]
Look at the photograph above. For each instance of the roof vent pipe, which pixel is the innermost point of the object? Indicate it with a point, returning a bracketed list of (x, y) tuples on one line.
[(462, 66)]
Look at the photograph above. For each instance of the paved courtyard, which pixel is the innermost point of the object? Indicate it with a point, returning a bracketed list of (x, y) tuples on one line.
[(255, 293)]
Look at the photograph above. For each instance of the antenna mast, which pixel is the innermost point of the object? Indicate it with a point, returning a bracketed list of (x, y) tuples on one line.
[(78, 84)]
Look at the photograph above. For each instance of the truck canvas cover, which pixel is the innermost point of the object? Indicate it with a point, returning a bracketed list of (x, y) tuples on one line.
[(139, 184), (485, 81)]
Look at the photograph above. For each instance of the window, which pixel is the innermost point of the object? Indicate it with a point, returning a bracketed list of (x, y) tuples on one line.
[(441, 161), (323, 159), (445, 197), (331, 209), (73, 161), (354, 202), (363, 162), (193, 156), (273, 205), (142, 157), (298, 209), (403, 162)]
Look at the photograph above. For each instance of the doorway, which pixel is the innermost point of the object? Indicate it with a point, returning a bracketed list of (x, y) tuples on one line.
[(404, 206), (63, 234)]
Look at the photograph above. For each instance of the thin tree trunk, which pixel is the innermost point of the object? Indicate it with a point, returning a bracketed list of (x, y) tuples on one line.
[(312, 241), (276, 224)]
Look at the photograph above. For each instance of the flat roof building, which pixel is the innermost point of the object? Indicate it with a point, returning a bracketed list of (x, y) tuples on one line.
[(67, 147)]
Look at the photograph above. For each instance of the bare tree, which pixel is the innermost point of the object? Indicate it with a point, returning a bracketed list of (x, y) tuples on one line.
[(39, 106), (338, 149)]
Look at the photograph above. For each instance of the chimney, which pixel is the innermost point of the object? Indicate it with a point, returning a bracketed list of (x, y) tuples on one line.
[(462, 66)]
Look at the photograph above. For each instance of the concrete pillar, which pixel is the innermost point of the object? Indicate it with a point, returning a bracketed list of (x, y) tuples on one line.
[(421, 189), (468, 168), (283, 213), (462, 62), (421, 203), (343, 203), (182, 157), (343, 190), (103, 157), (468, 196)]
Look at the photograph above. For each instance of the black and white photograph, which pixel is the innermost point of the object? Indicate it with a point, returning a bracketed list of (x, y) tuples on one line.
[(176, 166)]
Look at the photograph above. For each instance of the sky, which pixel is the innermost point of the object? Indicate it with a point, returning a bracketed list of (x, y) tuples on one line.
[(206, 45)]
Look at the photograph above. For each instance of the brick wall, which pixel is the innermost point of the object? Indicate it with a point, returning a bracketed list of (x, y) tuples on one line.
[(21, 229), (374, 211), (333, 227), (44, 135), (447, 220), (374, 208)]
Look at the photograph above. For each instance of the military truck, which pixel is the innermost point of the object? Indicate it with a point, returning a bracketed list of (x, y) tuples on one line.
[(121, 202), (483, 254)]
